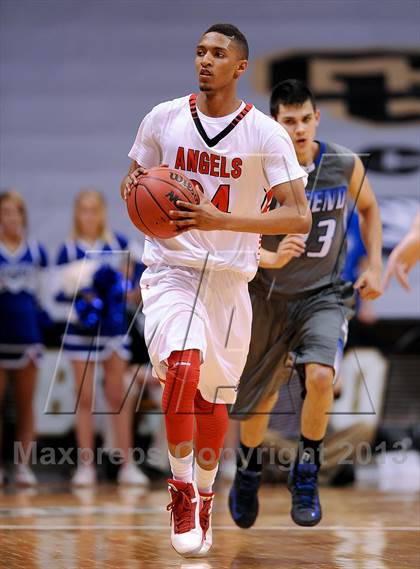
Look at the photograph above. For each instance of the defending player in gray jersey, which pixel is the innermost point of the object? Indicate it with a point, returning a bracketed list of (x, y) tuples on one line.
[(301, 307), (325, 248)]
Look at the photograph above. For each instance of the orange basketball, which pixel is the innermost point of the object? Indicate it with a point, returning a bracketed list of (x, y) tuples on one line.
[(155, 196)]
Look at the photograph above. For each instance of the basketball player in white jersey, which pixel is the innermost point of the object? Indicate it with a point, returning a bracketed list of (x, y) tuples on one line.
[(195, 289)]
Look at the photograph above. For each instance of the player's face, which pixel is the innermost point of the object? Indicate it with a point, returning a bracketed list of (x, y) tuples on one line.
[(301, 122), (11, 218), (89, 217), (217, 62)]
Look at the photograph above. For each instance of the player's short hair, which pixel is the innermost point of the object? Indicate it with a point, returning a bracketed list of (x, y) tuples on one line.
[(232, 32), (290, 92)]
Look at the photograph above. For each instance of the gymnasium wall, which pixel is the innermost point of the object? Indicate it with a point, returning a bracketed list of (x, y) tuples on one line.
[(78, 75)]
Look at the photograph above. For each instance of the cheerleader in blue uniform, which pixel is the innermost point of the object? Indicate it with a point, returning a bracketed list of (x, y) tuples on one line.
[(21, 263), (94, 261)]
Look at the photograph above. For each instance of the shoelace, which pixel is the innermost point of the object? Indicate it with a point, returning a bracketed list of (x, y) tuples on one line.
[(180, 508), (305, 485), (205, 516)]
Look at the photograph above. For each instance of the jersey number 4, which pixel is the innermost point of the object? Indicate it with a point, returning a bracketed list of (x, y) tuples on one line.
[(220, 198)]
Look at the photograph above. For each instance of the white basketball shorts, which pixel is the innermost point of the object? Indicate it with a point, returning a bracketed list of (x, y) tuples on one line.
[(210, 311)]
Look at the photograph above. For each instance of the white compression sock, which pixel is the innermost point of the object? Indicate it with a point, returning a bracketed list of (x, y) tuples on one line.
[(205, 478), (182, 468)]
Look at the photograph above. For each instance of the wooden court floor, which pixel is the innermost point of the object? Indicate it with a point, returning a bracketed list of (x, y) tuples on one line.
[(53, 528)]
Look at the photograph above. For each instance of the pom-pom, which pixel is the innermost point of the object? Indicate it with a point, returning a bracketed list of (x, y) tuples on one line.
[(89, 311), (77, 275)]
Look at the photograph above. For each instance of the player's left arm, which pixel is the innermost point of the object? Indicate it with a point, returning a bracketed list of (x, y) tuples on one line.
[(369, 284), (293, 217)]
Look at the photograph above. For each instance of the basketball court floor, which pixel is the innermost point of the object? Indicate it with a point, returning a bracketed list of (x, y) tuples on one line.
[(54, 528)]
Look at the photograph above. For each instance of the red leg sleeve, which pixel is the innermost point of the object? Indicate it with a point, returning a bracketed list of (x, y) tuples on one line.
[(212, 423), (179, 393)]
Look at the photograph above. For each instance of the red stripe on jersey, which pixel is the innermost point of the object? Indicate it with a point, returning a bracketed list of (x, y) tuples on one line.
[(268, 198)]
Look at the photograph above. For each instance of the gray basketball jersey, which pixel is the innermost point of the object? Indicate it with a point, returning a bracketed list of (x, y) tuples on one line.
[(323, 260)]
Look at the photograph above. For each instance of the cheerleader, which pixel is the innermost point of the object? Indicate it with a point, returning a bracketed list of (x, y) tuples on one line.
[(96, 260), (21, 262)]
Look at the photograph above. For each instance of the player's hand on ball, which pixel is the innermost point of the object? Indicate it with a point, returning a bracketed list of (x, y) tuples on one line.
[(204, 216), (132, 180), (369, 284)]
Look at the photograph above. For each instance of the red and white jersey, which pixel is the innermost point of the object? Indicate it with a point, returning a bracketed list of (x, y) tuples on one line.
[(236, 159)]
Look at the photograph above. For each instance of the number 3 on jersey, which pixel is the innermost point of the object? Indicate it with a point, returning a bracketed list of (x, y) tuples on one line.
[(325, 239), (220, 198)]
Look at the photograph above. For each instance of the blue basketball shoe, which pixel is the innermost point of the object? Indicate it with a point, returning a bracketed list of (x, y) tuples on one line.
[(303, 485), (243, 497)]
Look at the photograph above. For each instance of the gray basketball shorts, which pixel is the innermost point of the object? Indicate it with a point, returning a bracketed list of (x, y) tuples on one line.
[(286, 334)]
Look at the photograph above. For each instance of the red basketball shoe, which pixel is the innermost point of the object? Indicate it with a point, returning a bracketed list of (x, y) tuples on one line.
[(206, 508), (186, 532)]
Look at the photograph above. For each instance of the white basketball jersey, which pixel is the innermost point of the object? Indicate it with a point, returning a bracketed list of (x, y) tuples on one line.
[(236, 159)]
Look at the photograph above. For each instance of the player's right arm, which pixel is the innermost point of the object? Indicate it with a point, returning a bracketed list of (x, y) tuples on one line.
[(145, 152)]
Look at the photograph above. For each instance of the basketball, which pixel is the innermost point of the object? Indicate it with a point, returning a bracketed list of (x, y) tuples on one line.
[(155, 196)]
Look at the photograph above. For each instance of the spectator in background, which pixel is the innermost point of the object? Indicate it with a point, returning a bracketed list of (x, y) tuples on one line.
[(21, 262), (405, 255), (97, 330)]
